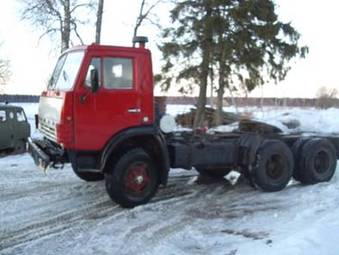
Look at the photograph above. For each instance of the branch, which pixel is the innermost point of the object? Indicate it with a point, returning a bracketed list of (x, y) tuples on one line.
[(75, 29), (154, 23), (151, 8), (4, 71), (142, 16), (51, 7), (80, 5), (139, 20), (51, 30)]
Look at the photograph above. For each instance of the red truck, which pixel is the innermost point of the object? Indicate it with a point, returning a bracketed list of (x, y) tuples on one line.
[(98, 114)]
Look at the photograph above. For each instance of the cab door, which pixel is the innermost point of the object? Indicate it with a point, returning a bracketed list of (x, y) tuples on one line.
[(5, 139), (6, 129), (22, 127), (115, 106)]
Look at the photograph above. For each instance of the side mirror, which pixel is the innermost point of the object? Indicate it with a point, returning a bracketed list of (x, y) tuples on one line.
[(94, 80)]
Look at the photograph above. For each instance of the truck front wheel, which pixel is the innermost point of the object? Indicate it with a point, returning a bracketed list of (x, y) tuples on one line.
[(133, 179), (273, 167)]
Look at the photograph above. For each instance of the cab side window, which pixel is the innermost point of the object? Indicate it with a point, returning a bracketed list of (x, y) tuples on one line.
[(2, 116), (118, 73), (20, 116), (11, 115), (95, 64)]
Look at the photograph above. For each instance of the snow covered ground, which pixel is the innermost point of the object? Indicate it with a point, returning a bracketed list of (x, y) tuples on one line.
[(58, 213)]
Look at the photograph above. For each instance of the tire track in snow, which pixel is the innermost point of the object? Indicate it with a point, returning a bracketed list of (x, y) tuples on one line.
[(58, 223), (70, 219), (181, 192), (159, 234)]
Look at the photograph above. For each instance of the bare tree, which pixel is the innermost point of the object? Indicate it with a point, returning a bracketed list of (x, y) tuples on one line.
[(57, 17), (143, 15), (4, 71), (327, 97), (99, 21)]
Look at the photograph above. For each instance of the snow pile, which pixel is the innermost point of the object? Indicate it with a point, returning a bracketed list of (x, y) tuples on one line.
[(288, 119), (225, 128), (310, 120), (175, 109)]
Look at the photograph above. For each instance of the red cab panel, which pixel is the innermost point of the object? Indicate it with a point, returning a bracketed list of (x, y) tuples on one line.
[(124, 98)]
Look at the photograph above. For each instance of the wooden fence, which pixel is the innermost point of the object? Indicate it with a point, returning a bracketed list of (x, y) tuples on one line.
[(240, 101)]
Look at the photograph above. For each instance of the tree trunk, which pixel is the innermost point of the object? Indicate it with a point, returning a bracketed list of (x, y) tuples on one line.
[(200, 114), (234, 103), (212, 83), (220, 101), (222, 77), (205, 64), (99, 21), (66, 27), (140, 18)]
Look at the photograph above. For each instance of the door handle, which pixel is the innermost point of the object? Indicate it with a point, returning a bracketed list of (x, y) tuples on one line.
[(134, 110), (83, 98)]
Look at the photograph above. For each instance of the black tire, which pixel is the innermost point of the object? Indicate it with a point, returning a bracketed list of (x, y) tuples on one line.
[(133, 180), (89, 176), (213, 172), (274, 166), (296, 150), (317, 162)]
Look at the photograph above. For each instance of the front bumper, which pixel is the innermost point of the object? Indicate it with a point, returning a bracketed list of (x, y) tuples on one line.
[(41, 159), (47, 154)]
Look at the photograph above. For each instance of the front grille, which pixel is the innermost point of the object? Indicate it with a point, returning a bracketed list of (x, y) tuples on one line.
[(48, 131)]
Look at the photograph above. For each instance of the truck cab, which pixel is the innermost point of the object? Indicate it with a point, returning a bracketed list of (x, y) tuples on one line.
[(99, 105), (94, 93)]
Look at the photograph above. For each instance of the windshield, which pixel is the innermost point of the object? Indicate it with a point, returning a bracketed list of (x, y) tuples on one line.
[(66, 71)]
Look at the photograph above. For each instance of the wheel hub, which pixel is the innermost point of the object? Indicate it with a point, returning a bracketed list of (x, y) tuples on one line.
[(274, 167), (321, 162), (137, 178)]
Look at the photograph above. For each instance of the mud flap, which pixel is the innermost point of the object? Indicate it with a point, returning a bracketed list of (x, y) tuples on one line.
[(248, 147)]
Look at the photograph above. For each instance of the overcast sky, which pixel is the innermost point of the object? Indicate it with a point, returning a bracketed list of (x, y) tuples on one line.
[(32, 61)]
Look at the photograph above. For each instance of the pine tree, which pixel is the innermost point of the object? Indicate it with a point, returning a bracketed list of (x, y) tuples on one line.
[(190, 43), (244, 40)]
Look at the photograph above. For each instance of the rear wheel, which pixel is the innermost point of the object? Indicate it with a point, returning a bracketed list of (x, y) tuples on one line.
[(317, 162), (133, 180), (89, 176), (274, 166)]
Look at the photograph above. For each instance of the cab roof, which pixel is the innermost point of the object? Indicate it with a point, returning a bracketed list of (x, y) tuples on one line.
[(95, 46), (9, 107)]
